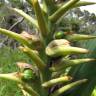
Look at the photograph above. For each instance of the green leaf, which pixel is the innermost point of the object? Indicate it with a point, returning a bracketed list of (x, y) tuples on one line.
[(62, 10), (56, 81), (67, 87), (16, 36), (64, 63)]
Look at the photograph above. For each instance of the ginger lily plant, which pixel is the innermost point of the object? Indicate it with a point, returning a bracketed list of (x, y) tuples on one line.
[(50, 51)]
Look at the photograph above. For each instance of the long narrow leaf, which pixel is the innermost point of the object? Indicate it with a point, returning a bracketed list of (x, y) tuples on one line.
[(64, 63), (64, 50), (26, 16), (56, 81), (79, 4), (63, 9), (67, 87), (16, 36)]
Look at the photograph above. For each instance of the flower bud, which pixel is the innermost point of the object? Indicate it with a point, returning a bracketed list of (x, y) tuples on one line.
[(61, 34), (34, 39), (76, 37), (28, 74), (28, 71), (64, 63), (55, 81), (58, 42), (63, 89), (62, 48)]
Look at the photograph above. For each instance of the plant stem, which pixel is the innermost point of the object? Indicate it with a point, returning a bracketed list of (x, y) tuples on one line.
[(40, 18)]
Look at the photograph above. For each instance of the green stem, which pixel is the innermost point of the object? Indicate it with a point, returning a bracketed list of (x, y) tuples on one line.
[(62, 10), (26, 16), (16, 36), (44, 72), (40, 18), (36, 59), (67, 87), (56, 81)]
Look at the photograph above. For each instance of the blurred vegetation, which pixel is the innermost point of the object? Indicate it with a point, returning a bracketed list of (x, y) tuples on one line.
[(8, 59)]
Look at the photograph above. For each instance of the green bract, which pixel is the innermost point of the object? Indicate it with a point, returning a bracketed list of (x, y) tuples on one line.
[(64, 50)]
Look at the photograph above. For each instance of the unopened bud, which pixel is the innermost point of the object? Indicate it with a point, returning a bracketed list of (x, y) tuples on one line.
[(76, 37), (64, 63), (57, 48)]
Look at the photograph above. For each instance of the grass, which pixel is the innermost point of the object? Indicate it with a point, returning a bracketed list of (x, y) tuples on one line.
[(8, 59)]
